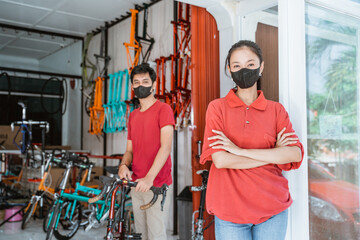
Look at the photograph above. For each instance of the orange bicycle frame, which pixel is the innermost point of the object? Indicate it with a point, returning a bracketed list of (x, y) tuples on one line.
[(97, 110), (133, 44)]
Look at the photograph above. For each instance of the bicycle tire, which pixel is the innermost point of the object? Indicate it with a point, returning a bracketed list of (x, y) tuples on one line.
[(65, 223), (47, 217), (50, 230), (28, 215), (128, 226), (61, 94)]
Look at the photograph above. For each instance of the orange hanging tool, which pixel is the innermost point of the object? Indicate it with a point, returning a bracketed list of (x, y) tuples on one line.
[(97, 110)]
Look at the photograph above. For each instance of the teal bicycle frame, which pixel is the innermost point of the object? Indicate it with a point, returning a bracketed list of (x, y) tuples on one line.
[(116, 107), (102, 207)]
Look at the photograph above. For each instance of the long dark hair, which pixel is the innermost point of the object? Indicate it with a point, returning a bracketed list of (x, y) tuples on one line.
[(252, 46)]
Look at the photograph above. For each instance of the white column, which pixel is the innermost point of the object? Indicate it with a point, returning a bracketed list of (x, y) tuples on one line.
[(292, 94)]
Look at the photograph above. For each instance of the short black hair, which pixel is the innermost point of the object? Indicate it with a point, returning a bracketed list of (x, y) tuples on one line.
[(143, 68), (244, 43)]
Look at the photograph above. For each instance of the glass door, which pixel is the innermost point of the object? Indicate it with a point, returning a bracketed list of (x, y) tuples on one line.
[(333, 106)]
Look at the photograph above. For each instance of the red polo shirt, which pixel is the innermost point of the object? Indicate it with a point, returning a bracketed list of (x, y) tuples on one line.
[(247, 195), (144, 131)]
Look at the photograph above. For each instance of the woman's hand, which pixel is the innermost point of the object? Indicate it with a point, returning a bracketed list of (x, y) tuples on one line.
[(283, 140), (223, 143)]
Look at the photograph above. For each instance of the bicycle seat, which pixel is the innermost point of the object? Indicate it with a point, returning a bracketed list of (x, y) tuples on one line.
[(112, 169), (106, 180), (199, 172)]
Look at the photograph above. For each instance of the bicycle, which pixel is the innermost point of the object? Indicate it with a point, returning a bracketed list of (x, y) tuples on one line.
[(40, 196), (198, 224), (119, 226), (26, 140), (42, 191), (63, 207), (64, 217)]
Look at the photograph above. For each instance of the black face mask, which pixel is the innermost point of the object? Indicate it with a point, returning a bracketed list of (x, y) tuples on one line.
[(142, 92), (246, 78)]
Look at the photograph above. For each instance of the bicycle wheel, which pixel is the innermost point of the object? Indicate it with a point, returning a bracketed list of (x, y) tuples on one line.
[(28, 214), (47, 217), (52, 219), (69, 222), (129, 226)]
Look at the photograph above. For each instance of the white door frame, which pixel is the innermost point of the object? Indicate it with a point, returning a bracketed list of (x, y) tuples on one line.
[(292, 94)]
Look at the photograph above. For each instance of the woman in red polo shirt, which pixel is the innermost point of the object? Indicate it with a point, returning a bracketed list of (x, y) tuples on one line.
[(250, 141)]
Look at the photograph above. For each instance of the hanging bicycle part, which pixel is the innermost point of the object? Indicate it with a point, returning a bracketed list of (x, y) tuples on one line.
[(182, 58), (117, 108), (102, 56), (133, 45), (89, 101), (145, 39), (97, 110), (182, 35), (47, 89), (87, 64)]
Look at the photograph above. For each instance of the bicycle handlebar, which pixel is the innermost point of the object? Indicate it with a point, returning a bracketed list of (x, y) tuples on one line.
[(80, 161), (108, 182), (42, 124)]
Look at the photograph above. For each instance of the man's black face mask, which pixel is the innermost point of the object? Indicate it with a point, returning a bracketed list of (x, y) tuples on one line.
[(142, 92)]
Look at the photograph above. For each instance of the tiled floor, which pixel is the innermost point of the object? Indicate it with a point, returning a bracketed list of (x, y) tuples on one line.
[(33, 231)]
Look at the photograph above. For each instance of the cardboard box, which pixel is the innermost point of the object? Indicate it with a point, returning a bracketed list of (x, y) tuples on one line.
[(7, 136), (57, 174)]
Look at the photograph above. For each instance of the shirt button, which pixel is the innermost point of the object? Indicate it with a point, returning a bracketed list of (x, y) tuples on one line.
[(247, 108), (247, 122)]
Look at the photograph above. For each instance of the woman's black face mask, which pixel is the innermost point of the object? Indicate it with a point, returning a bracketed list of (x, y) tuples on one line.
[(142, 92), (245, 77)]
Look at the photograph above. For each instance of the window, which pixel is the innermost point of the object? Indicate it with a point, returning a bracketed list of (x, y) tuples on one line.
[(333, 105)]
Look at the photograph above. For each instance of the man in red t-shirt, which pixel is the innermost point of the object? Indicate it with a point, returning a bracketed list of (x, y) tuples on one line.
[(148, 148)]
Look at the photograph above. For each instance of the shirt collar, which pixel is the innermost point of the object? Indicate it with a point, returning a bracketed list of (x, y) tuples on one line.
[(234, 101)]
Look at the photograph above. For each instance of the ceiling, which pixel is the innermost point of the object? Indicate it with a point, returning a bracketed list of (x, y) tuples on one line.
[(70, 17)]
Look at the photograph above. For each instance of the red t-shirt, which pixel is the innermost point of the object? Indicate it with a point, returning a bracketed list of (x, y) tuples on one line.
[(144, 132), (247, 195)]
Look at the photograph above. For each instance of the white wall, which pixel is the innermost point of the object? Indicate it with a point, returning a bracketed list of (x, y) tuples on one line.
[(67, 61), (19, 62)]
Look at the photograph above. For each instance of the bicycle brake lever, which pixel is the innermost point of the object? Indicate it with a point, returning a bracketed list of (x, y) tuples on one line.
[(109, 192), (164, 189)]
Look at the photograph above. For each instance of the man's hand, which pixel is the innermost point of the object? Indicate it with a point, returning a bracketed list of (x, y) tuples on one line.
[(144, 184), (124, 172)]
